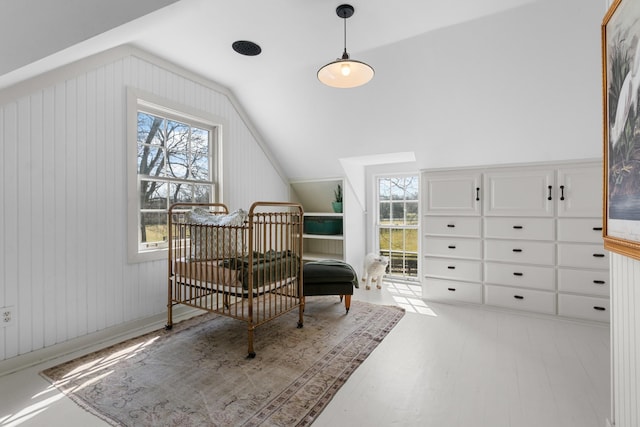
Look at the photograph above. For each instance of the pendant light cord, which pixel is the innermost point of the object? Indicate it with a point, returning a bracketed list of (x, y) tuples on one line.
[(345, 55)]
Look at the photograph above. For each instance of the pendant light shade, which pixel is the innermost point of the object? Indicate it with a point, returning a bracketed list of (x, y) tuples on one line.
[(345, 72)]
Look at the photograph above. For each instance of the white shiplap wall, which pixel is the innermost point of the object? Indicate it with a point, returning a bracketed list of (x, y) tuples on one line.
[(63, 261), (625, 340)]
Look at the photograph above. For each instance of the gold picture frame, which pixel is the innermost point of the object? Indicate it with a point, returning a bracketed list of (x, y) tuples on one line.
[(621, 125)]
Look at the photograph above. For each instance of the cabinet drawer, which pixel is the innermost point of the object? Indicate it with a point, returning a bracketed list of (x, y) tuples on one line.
[(452, 226), (591, 282), (450, 290), (585, 256), (519, 228), (527, 276), (521, 299), (453, 269), (520, 252), (453, 247), (585, 230), (583, 307)]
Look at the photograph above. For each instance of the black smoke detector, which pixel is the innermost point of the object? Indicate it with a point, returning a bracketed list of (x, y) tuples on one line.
[(244, 47)]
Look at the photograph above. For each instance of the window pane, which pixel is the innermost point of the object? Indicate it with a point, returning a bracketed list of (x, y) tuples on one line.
[(385, 239), (412, 188), (202, 193), (199, 166), (180, 193), (411, 213), (397, 213), (397, 239), (384, 190), (153, 227), (187, 193), (177, 136), (385, 213), (153, 195), (150, 160), (411, 240), (176, 164), (397, 189), (150, 129)]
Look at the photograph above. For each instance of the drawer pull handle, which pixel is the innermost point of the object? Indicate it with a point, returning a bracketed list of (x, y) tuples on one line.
[(599, 282), (518, 227), (518, 274), (452, 246), (597, 307), (451, 267), (549, 197), (517, 250), (598, 255), (451, 289), (477, 194), (562, 192), (518, 297), (597, 228), (451, 225)]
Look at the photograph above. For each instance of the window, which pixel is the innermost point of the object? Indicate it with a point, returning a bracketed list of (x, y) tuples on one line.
[(176, 157), (397, 224)]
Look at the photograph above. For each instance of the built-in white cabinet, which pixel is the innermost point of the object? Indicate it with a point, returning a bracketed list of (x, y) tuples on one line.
[(523, 238), (452, 249), (324, 232)]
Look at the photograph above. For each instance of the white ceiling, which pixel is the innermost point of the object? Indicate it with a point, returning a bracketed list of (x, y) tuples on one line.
[(307, 126)]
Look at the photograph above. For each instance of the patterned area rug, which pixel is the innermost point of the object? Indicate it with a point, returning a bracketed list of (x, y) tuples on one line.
[(197, 374)]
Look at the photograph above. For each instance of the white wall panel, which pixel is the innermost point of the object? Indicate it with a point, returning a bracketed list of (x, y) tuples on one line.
[(63, 224), (625, 328), (10, 229)]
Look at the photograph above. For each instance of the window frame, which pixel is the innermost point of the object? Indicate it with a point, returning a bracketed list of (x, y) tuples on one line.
[(377, 225), (140, 101)]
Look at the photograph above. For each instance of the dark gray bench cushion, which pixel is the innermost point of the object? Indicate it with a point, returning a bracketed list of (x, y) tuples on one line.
[(330, 271)]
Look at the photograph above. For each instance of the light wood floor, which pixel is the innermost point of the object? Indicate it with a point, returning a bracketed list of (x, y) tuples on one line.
[(441, 366)]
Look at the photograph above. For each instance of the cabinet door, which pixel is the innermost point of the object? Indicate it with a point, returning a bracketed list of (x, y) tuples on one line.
[(580, 191), (519, 192), (451, 194)]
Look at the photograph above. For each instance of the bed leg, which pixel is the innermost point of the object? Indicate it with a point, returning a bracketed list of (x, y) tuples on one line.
[(301, 314), (251, 354), (169, 324)]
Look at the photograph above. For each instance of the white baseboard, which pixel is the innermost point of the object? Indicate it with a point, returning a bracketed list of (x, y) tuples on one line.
[(94, 341)]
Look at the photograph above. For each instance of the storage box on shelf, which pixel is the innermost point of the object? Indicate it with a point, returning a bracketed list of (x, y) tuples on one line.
[(534, 232)]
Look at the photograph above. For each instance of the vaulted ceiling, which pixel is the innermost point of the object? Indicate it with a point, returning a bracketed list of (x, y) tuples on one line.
[(437, 65)]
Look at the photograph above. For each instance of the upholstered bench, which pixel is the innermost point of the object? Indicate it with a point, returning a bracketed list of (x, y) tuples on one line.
[(329, 277)]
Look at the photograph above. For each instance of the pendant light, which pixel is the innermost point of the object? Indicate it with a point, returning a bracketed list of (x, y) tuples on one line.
[(345, 72)]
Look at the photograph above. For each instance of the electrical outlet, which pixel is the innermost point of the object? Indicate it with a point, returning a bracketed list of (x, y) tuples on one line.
[(8, 316)]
